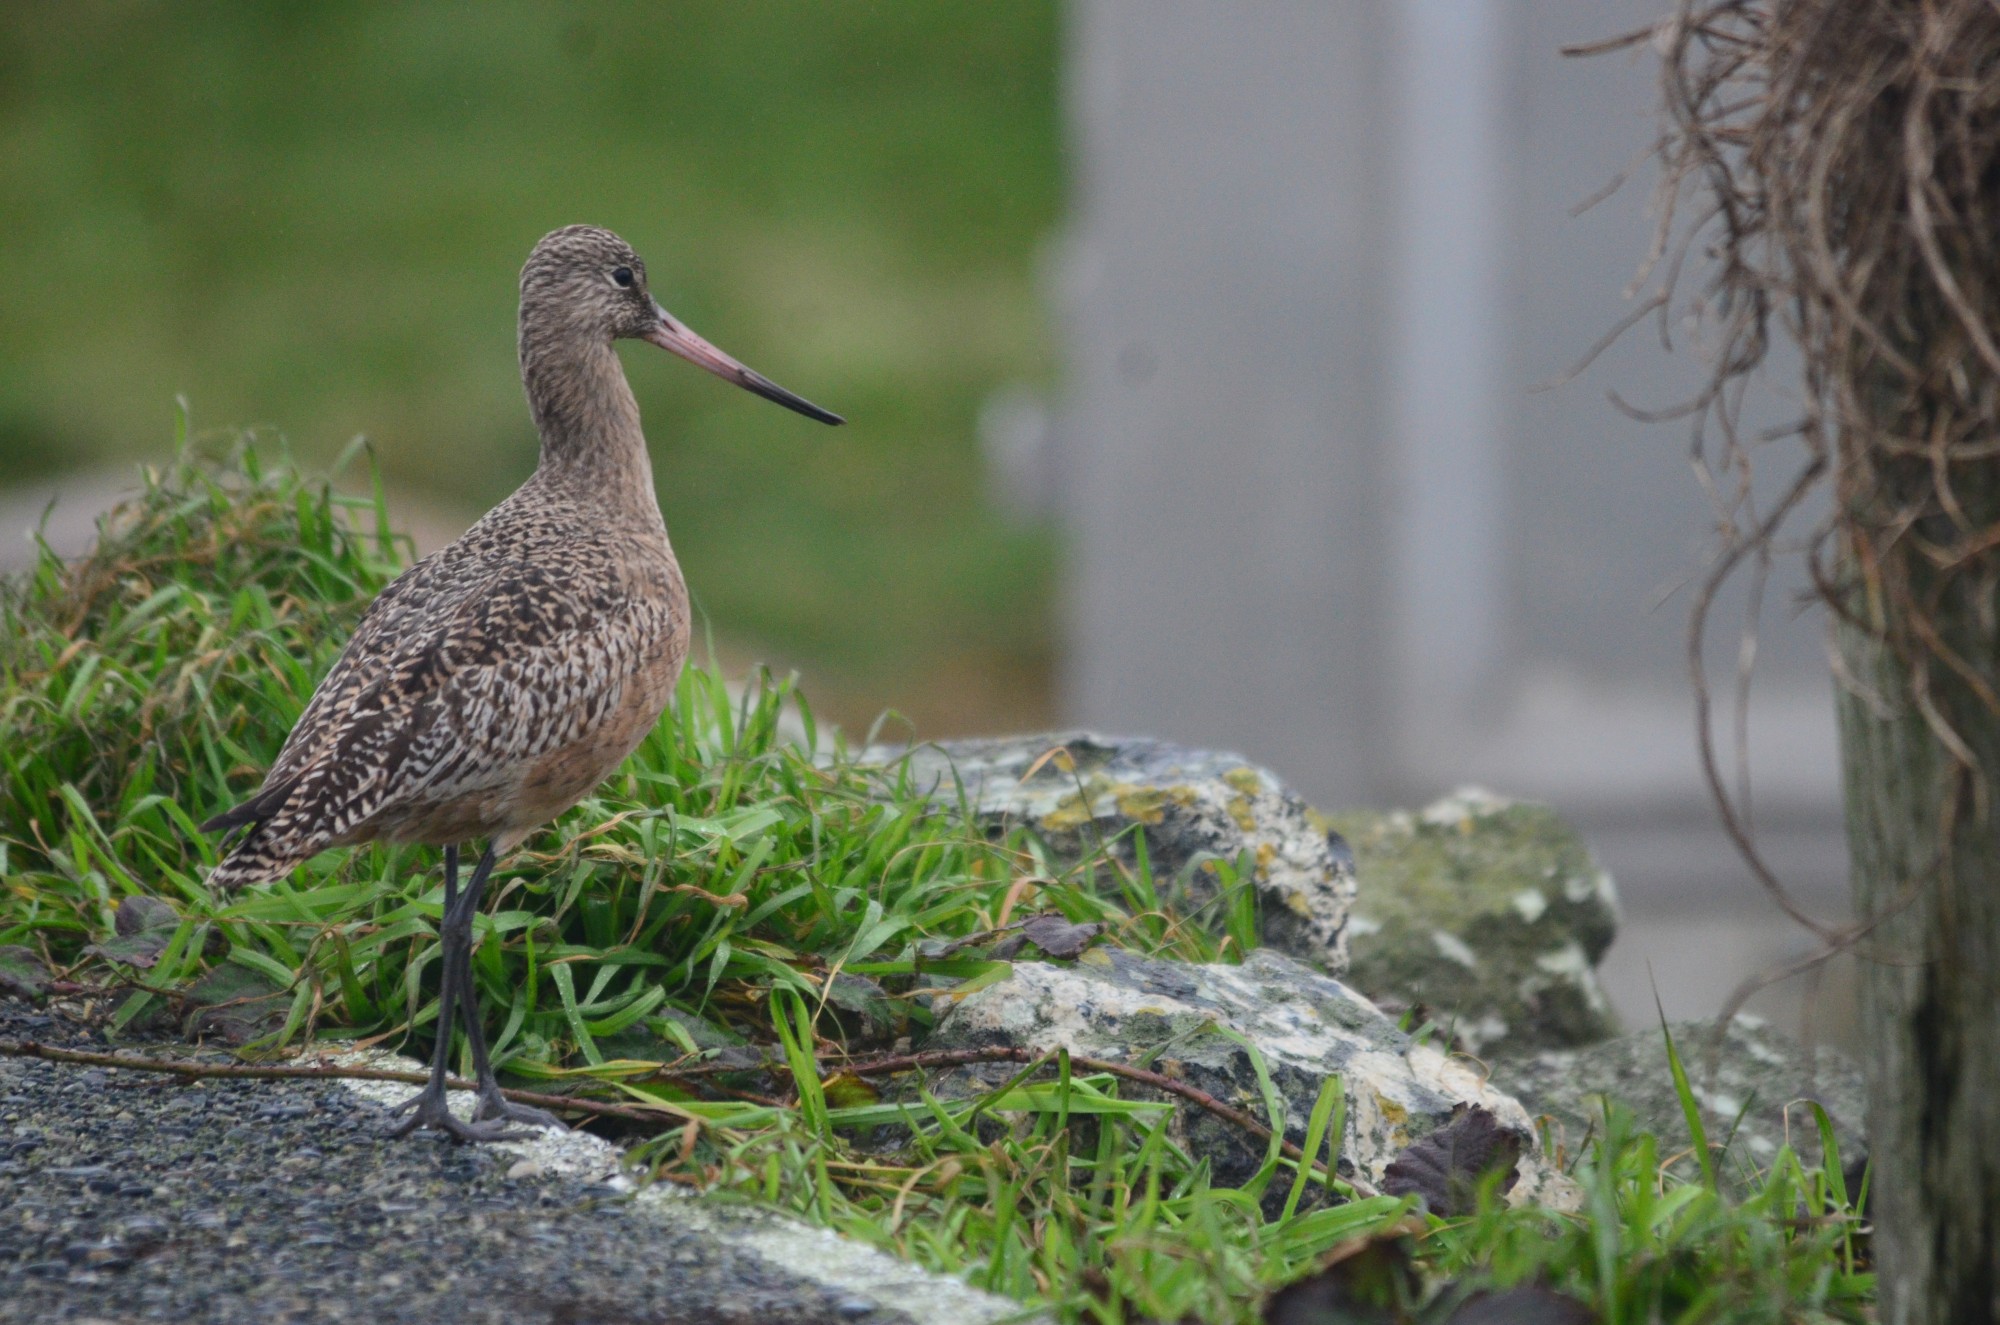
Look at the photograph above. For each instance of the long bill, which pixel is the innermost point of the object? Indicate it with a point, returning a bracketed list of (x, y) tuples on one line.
[(671, 336)]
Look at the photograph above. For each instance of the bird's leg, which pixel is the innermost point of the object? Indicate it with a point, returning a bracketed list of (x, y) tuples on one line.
[(492, 1104), (428, 1108)]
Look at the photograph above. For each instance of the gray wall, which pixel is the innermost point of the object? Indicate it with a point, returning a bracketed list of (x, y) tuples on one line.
[(1223, 296), (1321, 256)]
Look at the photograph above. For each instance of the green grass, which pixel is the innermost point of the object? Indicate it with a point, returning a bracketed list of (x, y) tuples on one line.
[(316, 214), (743, 880), (1656, 1242)]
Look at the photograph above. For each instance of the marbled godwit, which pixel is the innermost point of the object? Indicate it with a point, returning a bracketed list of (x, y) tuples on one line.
[(497, 681)]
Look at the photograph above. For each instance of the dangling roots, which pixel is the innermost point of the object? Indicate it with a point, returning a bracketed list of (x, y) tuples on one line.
[(1833, 167)]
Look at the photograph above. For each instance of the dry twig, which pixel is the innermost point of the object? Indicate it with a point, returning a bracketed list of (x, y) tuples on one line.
[(665, 1117)]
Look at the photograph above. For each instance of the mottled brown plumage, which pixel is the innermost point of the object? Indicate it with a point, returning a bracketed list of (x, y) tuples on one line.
[(496, 682)]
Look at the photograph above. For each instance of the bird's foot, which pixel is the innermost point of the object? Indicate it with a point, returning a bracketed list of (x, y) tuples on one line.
[(495, 1107), (427, 1111)]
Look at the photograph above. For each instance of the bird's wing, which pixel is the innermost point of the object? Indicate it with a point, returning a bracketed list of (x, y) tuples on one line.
[(386, 619), (449, 680)]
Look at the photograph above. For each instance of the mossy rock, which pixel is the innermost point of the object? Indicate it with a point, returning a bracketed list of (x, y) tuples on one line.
[(1487, 915), (1196, 811), (1752, 1084), (1211, 1026)]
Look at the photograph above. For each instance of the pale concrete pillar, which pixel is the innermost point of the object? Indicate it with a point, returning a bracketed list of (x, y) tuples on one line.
[(1224, 294)]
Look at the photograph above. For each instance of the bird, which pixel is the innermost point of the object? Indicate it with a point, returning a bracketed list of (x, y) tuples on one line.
[(496, 682)]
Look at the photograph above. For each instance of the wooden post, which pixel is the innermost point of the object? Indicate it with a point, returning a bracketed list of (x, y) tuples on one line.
[(1925, 844), (1845, 155)]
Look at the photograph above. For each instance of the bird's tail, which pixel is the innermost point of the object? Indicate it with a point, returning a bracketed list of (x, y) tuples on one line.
[(251, 862), (259, 855)]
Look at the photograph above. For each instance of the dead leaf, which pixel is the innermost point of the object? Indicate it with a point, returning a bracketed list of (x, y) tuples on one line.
[(22, 973), (1444, 1168), (863, 1008), (139, 913), (1058, 939), (144, 927), (235, 1005)]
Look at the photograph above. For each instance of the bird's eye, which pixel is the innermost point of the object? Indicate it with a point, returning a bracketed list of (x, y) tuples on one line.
[(622, 275)]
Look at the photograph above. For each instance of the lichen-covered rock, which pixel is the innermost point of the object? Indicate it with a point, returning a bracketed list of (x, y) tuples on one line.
[(1182, 1020), (1759, 1076), (1081, 791), (1489, 914)]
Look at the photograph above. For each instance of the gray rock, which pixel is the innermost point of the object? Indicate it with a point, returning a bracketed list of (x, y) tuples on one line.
[(1755, 1073), (1195, 808), (1490, 915), (1183, 1020)]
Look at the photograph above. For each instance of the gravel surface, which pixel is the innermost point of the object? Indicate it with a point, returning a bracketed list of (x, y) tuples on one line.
[(128, 1196)]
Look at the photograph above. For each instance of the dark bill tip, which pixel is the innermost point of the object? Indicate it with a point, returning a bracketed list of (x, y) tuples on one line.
[(765, 387), (671, 336)]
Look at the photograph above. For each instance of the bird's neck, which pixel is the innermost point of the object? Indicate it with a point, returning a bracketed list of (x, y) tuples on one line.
[(588, 420)]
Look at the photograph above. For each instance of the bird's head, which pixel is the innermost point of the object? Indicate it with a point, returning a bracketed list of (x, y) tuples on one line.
[(584, 283)]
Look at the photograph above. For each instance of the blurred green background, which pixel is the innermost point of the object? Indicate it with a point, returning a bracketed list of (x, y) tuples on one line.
[(310, 217)]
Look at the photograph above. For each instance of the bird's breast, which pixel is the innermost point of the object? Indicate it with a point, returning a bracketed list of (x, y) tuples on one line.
[(626, 714)]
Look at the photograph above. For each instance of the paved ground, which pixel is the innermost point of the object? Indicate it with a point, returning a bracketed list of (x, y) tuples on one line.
[(126, 1197)]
